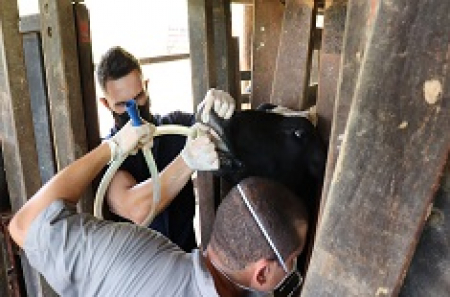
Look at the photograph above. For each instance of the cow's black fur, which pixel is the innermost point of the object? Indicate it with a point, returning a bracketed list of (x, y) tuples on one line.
[(287, 149), (262, 143)]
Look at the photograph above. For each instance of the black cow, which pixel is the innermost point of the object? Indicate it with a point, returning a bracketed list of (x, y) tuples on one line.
[(287, 149), (263, 143)]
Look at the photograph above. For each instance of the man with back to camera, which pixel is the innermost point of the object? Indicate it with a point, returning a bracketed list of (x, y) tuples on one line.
[(259, 231), (131, 189)]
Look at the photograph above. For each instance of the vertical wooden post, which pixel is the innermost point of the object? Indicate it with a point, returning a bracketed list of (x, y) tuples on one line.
[(291, 77), (246, 63), (87, 81), (266, 36), (4, 282), (86, 66), (226, 60), (63, 81), (330, 61), (32, 46), (429, 270), (395, 148), (354, 43), (201, 37), (222, 43), (16, 129)]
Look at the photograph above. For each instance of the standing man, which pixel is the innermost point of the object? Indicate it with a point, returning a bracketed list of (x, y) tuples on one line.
[(131, 190)]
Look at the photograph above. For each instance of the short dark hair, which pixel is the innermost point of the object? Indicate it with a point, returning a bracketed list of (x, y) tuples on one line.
[(114, 64), (236, 236)]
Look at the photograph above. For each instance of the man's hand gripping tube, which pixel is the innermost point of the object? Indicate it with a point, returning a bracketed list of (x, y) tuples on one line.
[(114, 166)]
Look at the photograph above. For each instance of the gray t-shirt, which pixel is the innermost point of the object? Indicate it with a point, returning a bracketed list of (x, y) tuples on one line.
[(80, 255)]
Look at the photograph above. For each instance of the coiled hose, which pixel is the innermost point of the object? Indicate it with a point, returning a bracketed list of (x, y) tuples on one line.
[(106, 180)]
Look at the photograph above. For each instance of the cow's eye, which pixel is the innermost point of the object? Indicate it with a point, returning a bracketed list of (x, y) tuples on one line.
[(299, 133)]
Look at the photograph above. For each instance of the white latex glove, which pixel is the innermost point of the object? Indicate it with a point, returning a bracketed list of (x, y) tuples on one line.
[(199, 153), (130, 138), (222, 102)]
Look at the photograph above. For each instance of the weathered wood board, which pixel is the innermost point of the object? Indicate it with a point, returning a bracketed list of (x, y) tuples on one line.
[(222, 45), (429, 272), (330, 62), (59, 43), (291, 76), (268, 17), (358, 25), (394, 150), (16, 128), (201, 36), (87, 79), (39, 104), (201, 40)]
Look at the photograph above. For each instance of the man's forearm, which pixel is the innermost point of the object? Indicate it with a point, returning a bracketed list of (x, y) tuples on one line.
[(134, 201), (68, 184)]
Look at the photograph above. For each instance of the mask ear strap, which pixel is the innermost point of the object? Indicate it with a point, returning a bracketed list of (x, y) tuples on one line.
[(261, 227)]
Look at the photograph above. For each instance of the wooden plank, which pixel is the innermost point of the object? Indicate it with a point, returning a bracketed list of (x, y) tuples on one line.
[(89, 98), (291, 77), (12, 271), (395, 148), (358, 25), (39, 105), (235, 91), (268, 16), (163, 59), (429, 273), (235, 72), (59, 44), (201, 36), (245, 63), (4, 280), (86, 65), (5, 204), (16, 129), (222, 44), (330, 60), (30, 24), (245, 2), (63, 80)]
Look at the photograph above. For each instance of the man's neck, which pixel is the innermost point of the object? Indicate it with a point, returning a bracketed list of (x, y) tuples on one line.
[(224, 286)]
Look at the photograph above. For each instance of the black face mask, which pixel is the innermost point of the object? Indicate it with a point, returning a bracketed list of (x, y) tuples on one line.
[(144, 112)]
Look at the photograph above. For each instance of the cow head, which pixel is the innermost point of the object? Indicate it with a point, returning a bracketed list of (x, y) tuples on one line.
[(267, 144)]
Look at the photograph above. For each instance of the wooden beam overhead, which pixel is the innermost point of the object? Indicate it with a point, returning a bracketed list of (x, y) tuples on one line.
[(248, 2)]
